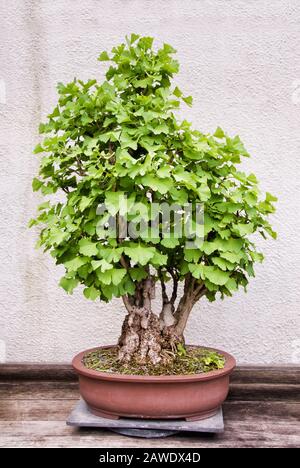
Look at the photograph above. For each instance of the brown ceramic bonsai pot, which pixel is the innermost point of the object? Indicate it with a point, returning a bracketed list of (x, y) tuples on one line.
[(191, 397)]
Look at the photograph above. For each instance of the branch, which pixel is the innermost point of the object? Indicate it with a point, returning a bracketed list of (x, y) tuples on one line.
[(182, 313), (201, 293), (164, 295), (189, 283), (191, 295), (127, 303), (81, 172), (125, 263), (175, 285), (111, 153), (187, 296), (147, 293), (198, 288)]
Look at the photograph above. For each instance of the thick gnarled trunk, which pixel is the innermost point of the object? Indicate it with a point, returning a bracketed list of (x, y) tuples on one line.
[(147, 337), (141, 337)]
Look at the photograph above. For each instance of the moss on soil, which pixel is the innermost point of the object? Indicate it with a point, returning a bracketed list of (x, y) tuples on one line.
[(189, 360)]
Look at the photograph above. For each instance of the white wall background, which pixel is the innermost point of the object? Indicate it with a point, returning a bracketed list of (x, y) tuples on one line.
[(240, 59)]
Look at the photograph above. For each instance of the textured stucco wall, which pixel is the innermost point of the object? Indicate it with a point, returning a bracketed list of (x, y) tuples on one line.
[(241, 62)]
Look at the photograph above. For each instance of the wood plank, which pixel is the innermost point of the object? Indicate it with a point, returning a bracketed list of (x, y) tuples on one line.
[(263, 391), (37, 372), (57, 410), (286, 375), (242, 375), (248, 424), (56, 434), (36, 410), (40, 390)]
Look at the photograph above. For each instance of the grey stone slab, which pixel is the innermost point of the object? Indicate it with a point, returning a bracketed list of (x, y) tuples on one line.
[(142, 433), (82, 417)]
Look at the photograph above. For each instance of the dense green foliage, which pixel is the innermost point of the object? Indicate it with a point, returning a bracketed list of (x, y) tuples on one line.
[(123, 137)]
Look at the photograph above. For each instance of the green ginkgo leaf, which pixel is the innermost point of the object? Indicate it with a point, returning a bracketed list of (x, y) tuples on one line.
[(87, 247)]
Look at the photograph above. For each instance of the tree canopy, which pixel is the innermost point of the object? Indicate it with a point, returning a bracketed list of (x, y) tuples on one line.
[(122, 138)]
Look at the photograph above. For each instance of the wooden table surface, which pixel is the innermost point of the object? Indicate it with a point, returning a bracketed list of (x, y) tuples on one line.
[(263, 410)]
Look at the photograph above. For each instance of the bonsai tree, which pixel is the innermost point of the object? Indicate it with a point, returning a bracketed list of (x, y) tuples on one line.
[(119, 145)]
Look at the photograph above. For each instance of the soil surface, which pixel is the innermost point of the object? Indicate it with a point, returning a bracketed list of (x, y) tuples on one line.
[(187, 361)]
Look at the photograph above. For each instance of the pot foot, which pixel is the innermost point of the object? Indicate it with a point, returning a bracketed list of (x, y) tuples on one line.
[(103, 414), (200, 416)]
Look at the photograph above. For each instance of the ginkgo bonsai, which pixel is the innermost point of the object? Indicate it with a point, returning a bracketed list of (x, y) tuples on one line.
[(121, 140)]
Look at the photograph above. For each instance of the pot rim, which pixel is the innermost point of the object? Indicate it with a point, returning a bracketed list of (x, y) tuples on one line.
[(79, 367)]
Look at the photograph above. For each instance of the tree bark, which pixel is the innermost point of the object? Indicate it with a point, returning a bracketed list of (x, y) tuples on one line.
[(140, 339), (148, 338)]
